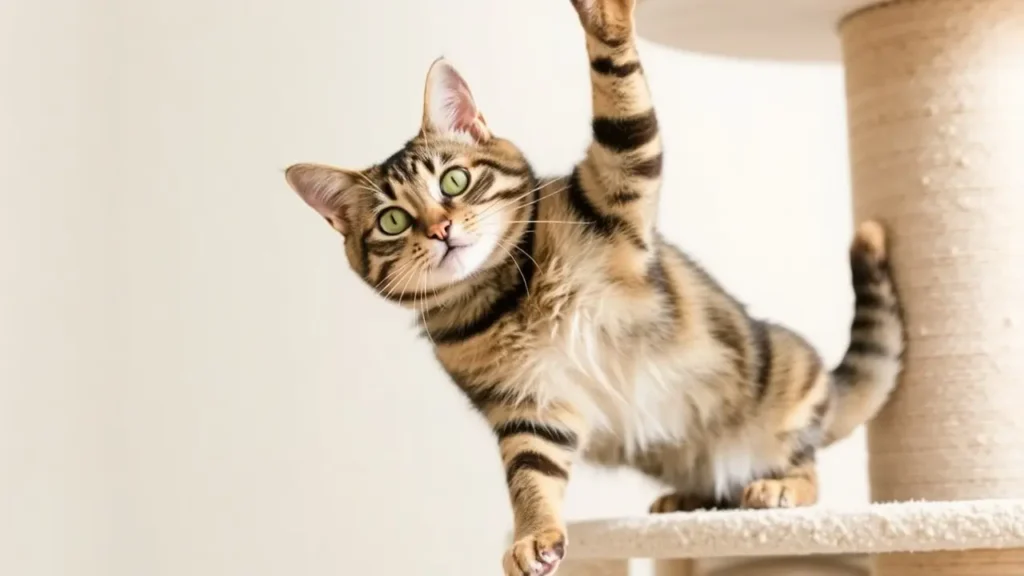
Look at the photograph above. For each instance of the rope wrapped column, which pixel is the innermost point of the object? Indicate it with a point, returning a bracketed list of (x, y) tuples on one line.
[(935, 92)]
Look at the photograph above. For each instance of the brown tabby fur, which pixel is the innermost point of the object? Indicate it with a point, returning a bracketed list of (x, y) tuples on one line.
[(578, 331)]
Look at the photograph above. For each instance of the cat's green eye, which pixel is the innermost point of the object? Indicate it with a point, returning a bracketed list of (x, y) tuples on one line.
[(454, 181), (394, 221)]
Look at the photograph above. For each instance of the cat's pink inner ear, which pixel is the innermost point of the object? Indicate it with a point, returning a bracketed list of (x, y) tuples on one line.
[(326, 189), (448, 107)]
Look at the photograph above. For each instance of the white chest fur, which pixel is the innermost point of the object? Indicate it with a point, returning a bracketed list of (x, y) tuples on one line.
[(641, 393)]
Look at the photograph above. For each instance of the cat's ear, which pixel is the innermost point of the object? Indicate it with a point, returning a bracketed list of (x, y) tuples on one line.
[(448, 105), (328, 190)]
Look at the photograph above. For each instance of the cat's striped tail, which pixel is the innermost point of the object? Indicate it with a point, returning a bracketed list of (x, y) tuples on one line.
[(869, 371)]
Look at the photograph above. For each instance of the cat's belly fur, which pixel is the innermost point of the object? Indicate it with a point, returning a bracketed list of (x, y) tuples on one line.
[(661, 410)]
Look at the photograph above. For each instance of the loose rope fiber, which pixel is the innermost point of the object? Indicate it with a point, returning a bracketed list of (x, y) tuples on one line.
[(935, 93)]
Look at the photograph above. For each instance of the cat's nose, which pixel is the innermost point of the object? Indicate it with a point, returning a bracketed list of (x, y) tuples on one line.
[(439, 231)]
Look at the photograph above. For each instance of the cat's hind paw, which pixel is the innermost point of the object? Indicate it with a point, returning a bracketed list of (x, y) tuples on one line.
[(781, 493), (678, 502)]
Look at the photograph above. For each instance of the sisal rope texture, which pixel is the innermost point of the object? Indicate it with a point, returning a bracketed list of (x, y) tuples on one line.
[(935, 92)]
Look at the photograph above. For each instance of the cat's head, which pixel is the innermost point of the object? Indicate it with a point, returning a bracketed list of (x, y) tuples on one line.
[(448, 205)]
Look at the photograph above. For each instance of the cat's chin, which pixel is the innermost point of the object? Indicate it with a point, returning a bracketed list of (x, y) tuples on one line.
[(458, 263), (461, 261)]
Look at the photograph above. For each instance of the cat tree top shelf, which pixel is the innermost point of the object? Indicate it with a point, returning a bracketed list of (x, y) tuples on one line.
[(875, 529), (794, 30)]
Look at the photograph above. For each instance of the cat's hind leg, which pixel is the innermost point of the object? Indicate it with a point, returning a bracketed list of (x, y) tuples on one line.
[(684, 502), (797, 487)]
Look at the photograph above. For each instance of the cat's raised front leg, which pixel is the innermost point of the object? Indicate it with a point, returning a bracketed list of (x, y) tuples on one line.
[(616, 186), (538, 447)]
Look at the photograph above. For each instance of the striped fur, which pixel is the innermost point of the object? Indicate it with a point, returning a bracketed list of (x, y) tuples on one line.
[(578, 332)]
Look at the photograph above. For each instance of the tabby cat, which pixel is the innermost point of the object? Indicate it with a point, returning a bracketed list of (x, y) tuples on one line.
[(577, 330)]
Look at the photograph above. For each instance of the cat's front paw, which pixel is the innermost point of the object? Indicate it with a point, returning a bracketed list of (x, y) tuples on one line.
[(610, 21), (537, 554), (780, 493)]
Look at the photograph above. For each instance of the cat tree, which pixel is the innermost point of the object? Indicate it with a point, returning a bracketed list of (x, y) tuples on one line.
[(935, 101)]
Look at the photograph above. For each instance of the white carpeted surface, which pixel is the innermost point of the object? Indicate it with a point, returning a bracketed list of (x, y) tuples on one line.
[(879, 528)]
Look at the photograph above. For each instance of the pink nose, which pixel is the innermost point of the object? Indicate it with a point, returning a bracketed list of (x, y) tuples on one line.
[(439, 230)]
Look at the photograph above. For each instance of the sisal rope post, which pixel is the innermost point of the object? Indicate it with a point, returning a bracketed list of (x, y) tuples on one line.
[(935, 95)]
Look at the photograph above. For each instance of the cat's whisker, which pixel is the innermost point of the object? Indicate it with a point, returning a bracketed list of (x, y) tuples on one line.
[(578, 222), (386, 283), (405, 278), (443, 304), (423, 311), (542, 198), (517, 198), (530, 191), (361, 187), (498, 208), (418, 269), (391, 291), (395, 275), (526, 283), (527, 254), (371, 183)]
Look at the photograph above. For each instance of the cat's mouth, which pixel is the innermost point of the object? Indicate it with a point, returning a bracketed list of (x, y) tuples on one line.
[(459, 257), (452, 252)]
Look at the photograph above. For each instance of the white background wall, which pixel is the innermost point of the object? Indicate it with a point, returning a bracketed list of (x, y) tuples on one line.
[(191, 380)]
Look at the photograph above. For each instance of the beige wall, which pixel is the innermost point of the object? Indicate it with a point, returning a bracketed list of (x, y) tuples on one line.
[(192, 382)]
